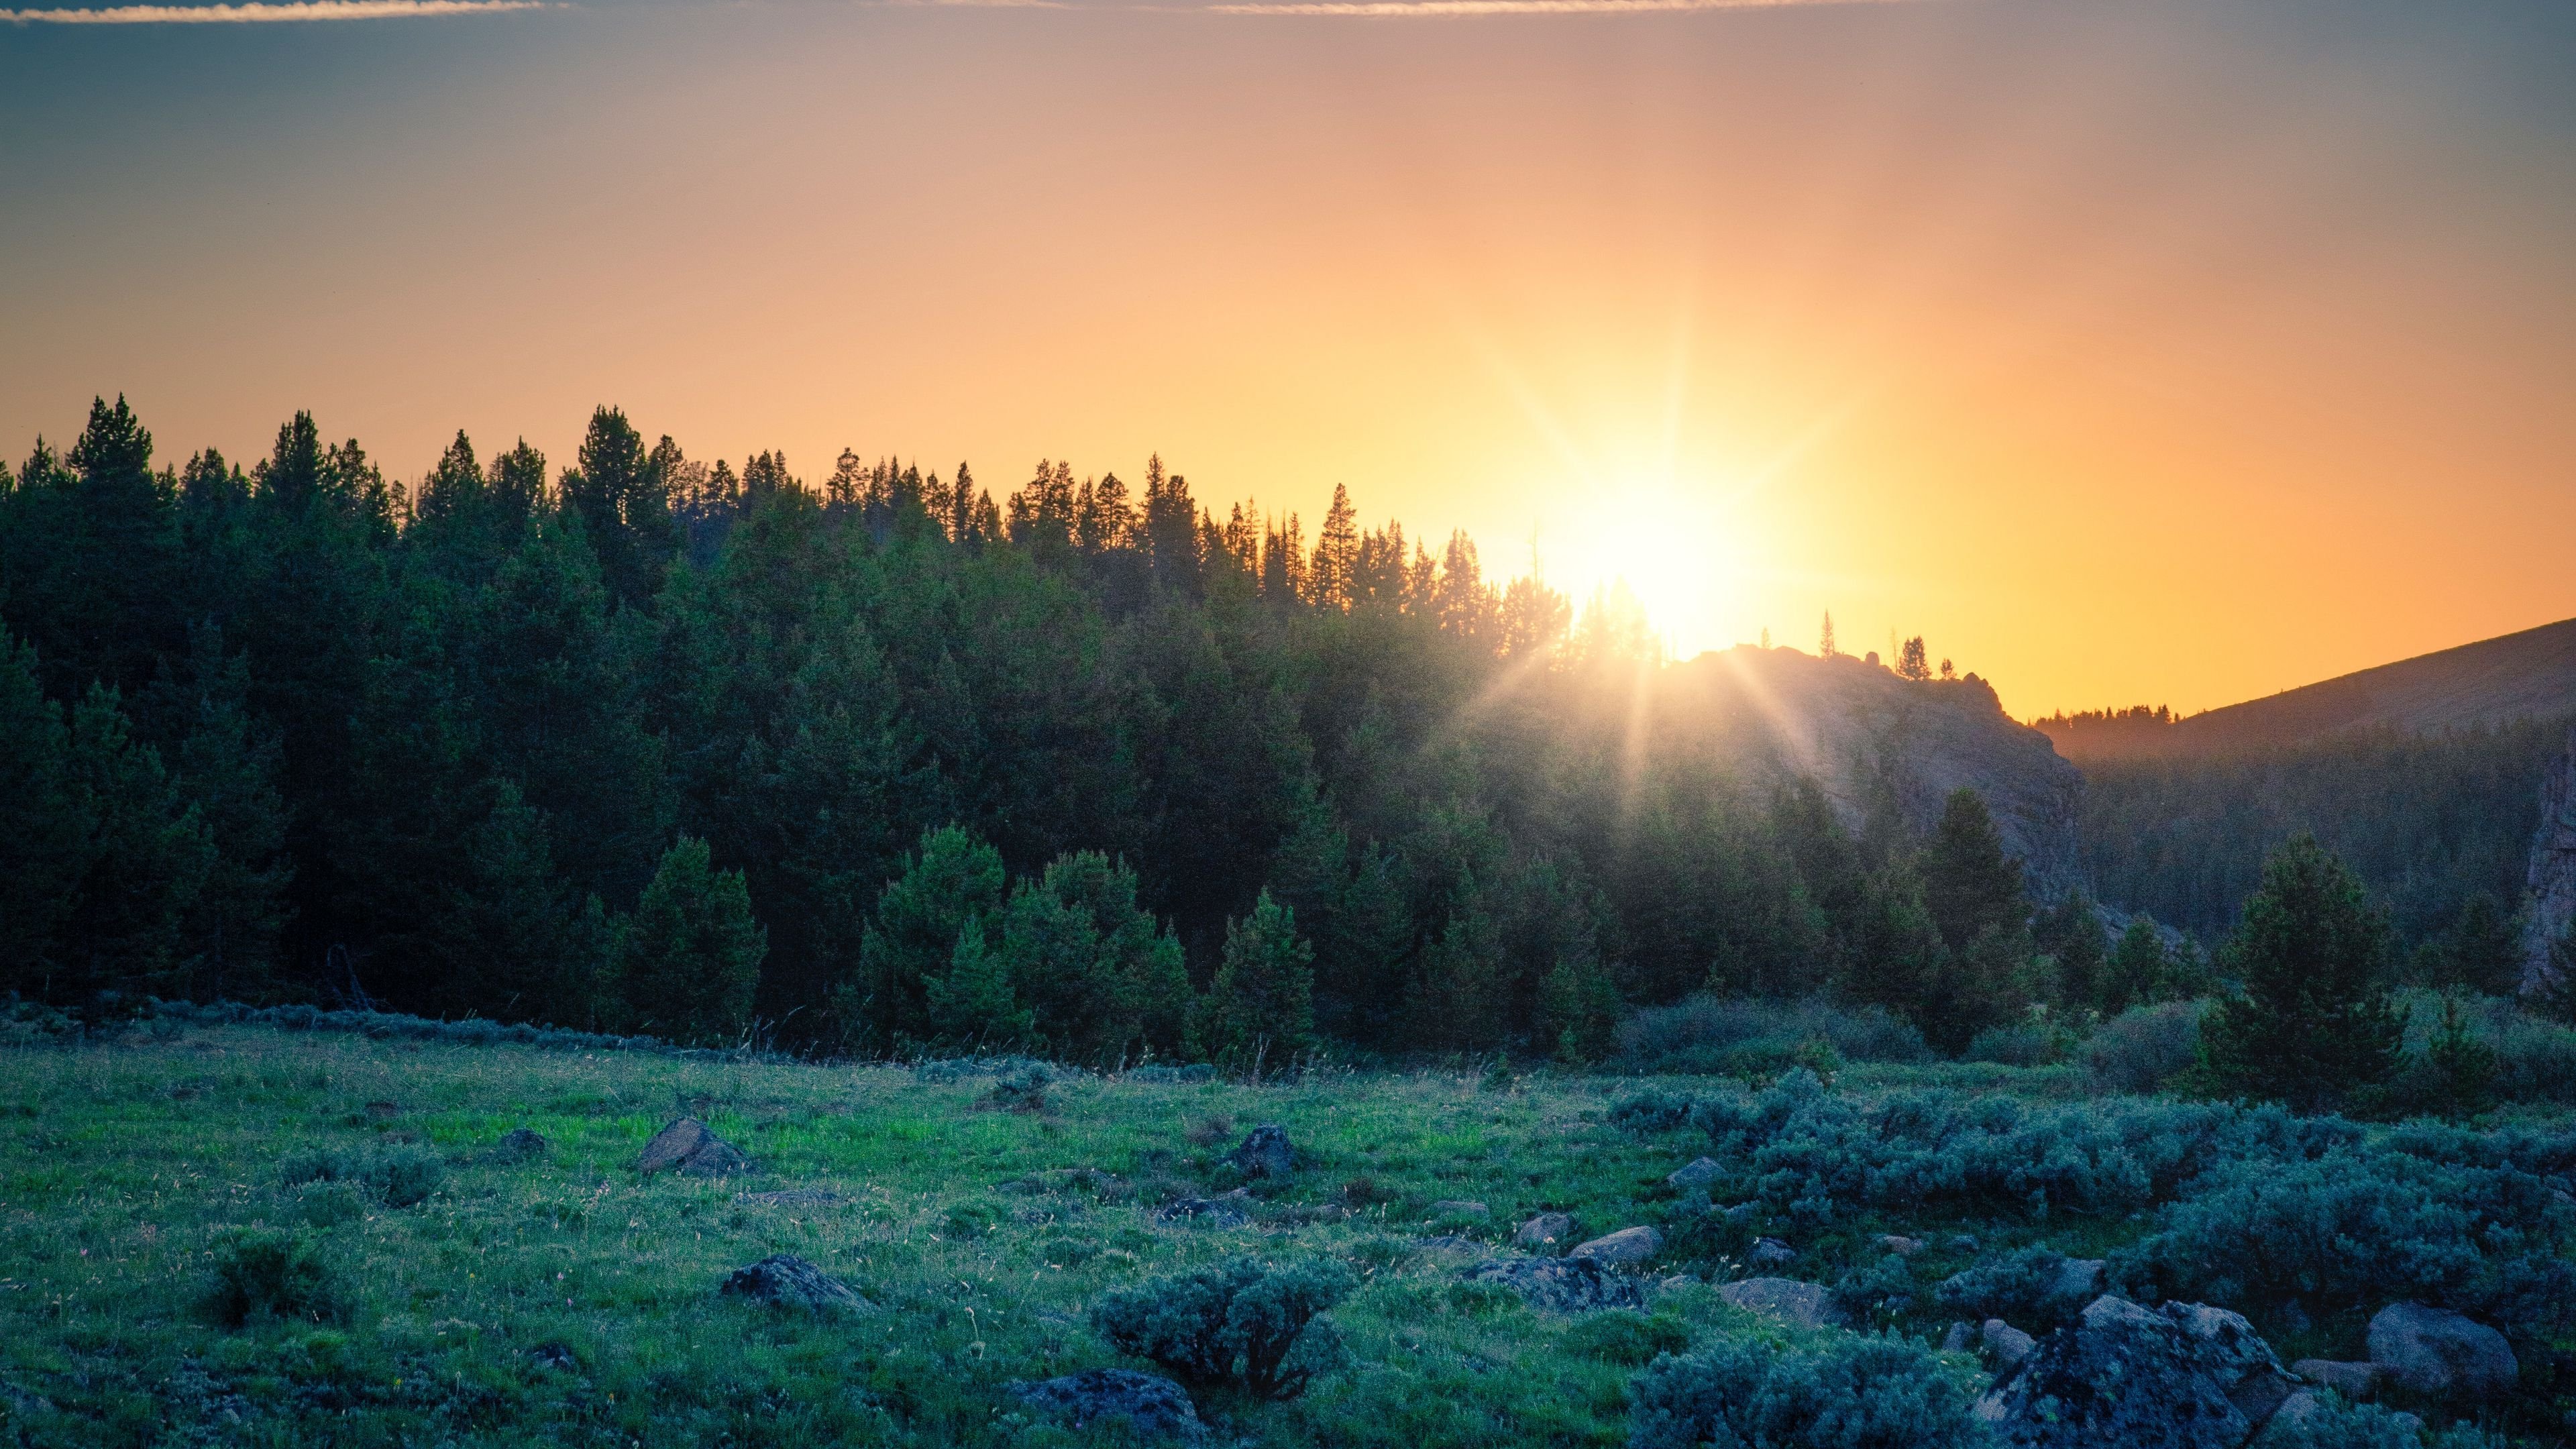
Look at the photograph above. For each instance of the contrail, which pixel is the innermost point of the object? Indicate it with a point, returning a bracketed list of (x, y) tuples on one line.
[(265, 12)]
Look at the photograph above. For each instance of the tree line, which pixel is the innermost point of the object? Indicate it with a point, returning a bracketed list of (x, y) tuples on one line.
[(644, 743)]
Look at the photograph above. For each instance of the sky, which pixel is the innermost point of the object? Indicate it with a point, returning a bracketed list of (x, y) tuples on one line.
[(2133, 352)]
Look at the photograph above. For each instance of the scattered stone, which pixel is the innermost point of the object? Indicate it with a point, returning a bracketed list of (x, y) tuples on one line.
[(2299, 1407), (793, 1197), (1265, 1152), (1150, 1406), (1564, 1285), (1958, 1339), (1458, 1207), (2352, 1380), (519, 1144), (2434, 1351), (1899, 1244), (2008, 1344), (688, 1146), (1801, 1305), (784, 1280), (2184, 1375), (1628, 1245), (1226, 1210), (1771, 1253), (1543, 1234), (1696, 1178)]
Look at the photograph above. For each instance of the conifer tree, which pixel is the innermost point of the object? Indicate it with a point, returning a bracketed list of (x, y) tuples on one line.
[(688, 963), (1825, 642), (1579, 1009), (1104, 978), (2311, 1022), (228, 770), (972, 1003), (1969, 884), (44, 849), (2139, 970), (2482, 952), (2072, 935), (1260, 1005), (1911, 662), (1332, 577), (147, 859), (951, 882)]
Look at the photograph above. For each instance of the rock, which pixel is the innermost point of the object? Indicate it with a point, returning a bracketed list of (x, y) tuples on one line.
[(1696, 1178), (1148, 1405), (1226, 1210), (784, 1280), (688, 1146), (2352, 1380), (2434, 1351), (1448, 1242), (1771, 1253), (1628, 1245), (555, 1356), (1459, 1207), (2078, 1280), (1544, 1233), (1899, 1244), (2294, 1318), (519, 1144), (2122, 1374), (1960, 1336), (1563, 1285), (1801, 1305), (1265, 1152), (2299, 1407), (2008, 1344), (1743, 1211)]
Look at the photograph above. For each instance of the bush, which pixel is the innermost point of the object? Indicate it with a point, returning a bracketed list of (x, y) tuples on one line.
[(2023, 1288), (1625, 1336), (1850, 1392), (1241, 1323), (1696, 1035), (2019, 1045), (398, 1177), (2143, 1048), (2337, 1424), (274, 1275)]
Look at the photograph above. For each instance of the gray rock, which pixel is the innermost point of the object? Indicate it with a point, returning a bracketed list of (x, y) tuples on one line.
[(1771, 1253), (1448, 1242), (1958, 1339), (2008, 1344), (2122, 1374), (688, 1146), (1546, 1233), (1899, 1244), (1697, 1177), (519, 1144), (1226, 1210), (1265, 1152), (2078, 1280), (2354, 1381), (1563, 1285), (1628, 1245), (1147, 1405), (784, 1280), (1802, 1305), (2434, 1351), (1459, 1207)]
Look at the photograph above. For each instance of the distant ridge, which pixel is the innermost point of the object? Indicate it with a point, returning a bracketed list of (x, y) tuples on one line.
[(2519, 676)]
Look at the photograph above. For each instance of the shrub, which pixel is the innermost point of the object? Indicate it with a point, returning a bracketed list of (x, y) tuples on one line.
[(2024, 1288), (329, 1204), (1694, 1036), (1763, 1062), (2337, 1424), (2143, 1048), (399, 1177), (274, 1275), (1625, 1336), (1240, 1323), (1849, 1392), (2020, 1044)]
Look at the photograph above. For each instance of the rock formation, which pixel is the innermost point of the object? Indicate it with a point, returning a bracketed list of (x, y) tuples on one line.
[(2551, 880)]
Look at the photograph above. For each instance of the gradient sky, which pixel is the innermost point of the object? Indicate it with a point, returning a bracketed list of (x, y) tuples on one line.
[(2132, 352)]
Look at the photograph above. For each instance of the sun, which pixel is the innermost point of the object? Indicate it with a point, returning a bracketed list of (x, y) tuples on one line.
[(1669, 543)]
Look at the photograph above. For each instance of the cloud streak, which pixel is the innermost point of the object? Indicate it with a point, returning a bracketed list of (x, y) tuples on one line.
[(266, 12), (1438, 8)]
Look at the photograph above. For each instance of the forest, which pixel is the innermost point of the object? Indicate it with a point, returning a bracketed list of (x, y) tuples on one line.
[(644, 744)]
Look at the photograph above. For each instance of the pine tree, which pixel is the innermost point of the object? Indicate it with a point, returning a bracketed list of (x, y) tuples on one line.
[(1260, 1006), (227, 770), (688, 963), (972, 1003), (45, 847), (950, 882), (2139, 970), (1104, 978), (1579, 1010), (1968, 882), (1332, 577), (2482, 952), (1911, 662), (148, 858), (2311, 1022), (1825, 643), (2072, 935)]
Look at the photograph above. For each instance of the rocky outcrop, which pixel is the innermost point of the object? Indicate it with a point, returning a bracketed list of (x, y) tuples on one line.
[(1147, 1406), (1628, 1245), (783, 1280), (2550, 881), (1546, 1233), (1563, 1285), (688, 1146), (1801, 1305), (2184, 1375), (1265, 1152)]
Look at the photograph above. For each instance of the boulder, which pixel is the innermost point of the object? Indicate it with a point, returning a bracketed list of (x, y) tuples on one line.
[(1544, 1233), (2078, 1280), (2354, 1381), (1696, 1178), (1801, 1305), (688, 1146), (1959, 1338), (2008, 1344), (1899, 1244), (1226, 1210), (1771, 1253), (519, 1144), (1628, 1245), (2434, 1351), (1146, 1405), (1265, 1152), (784, 1280), (1562, 1285), (1459, 1207), (2183, 1375)]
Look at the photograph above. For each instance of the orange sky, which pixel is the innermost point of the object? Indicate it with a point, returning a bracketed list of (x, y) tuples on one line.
[(2130, 352)]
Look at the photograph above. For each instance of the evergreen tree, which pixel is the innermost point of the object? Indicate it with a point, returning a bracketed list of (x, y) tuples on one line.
[(1911, 662), (1103, 977), (1332, 574), (688, 963), (2311, 1023), (2139, 970), (951, 884), (1579, 1010), (227, 771), (1825, 642), (2482, 952), (147, 859), (2071, 933), (91, 558), (1260, 1006), (44, 849), (1969, 884), (973, 1003), (623, 505)]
